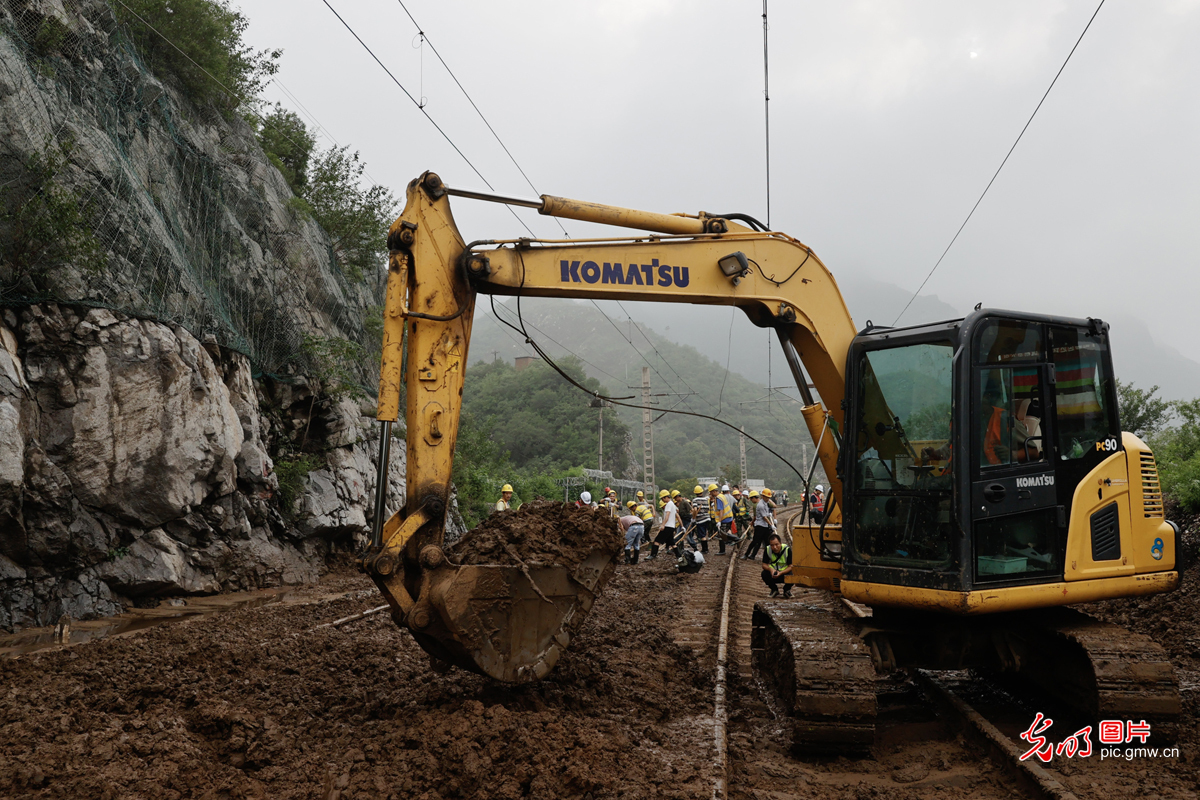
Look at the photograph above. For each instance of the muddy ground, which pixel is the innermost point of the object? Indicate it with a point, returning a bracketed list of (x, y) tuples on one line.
[(256, 703)]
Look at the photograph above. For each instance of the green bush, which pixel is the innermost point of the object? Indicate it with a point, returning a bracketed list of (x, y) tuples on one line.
[(356, 219), (334, 365), (288, 145), (291, 472), (212, 66), (1177, 453), (44, 223)]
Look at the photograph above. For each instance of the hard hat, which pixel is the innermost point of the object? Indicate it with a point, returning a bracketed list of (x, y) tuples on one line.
[(675, 493), (608, 490), (664, 493), (737, 493), (697, 490), (753, 493), (506, 487), (630, 504), (725, 488), (820, 488), (712, 487), (767, 492), (698, 558), (641, 493), (586, 497)]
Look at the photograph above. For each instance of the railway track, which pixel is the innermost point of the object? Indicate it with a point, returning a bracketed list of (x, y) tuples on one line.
[(927, 737)]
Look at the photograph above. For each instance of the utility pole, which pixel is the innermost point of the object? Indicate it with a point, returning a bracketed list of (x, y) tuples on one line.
[(601, 465), (742, 436), (647, 434)]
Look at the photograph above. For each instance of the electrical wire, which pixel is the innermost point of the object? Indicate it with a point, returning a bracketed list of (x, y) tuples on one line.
[(477, 111), (807, 256), (728, 358), (1002, 163), (664, 358), (767, 109), (627, 339), (618, 400), (420, 108), (560, 344)]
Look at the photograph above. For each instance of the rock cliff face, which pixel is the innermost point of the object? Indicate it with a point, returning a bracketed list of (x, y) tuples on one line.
[(135, 465), (136, 443)]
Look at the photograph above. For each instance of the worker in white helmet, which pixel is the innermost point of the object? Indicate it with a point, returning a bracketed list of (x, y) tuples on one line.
[(817, 507)]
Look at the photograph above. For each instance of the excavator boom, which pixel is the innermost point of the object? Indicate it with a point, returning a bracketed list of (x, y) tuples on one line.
[(503, 621)]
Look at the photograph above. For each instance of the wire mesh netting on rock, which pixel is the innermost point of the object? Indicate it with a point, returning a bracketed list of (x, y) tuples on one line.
[(115, 192)]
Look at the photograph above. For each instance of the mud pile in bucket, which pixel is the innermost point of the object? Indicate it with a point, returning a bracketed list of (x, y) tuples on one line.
[(539, 533)]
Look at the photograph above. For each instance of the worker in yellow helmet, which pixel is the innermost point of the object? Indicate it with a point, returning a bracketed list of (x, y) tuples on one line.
[(505, 501), (666, 533), (721, 506), (702, 518), (646, 512), (685, 515), (631, 526)]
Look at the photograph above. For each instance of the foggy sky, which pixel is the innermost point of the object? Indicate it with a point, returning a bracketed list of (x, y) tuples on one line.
[(887, 121)]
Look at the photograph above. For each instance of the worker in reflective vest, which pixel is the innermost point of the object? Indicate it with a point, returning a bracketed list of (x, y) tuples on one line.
[(777, 565)]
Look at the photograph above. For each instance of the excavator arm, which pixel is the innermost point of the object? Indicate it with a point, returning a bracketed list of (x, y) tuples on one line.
[(491, 619)]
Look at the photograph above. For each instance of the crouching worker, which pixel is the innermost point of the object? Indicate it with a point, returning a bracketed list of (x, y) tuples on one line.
[(631, 526), (777, 564), (689, 561)]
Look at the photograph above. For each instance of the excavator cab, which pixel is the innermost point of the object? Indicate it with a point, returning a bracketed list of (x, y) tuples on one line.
[(983, 460)]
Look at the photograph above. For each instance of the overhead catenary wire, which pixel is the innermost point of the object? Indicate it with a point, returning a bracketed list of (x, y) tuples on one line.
[(664, 358), (767, 108), (629, 341), (619, 401), (420, 108), (1002, 163), (560, 344), (457, 83)]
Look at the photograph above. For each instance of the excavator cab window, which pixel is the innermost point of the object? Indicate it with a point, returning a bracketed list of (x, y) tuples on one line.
[(1016, 534), (902, 509)]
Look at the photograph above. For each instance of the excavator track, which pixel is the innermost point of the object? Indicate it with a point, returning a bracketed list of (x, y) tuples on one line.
[(1104, 670), (813, 660)]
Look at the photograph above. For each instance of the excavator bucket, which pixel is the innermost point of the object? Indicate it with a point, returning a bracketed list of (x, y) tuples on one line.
[(508, 622), (506, 599)]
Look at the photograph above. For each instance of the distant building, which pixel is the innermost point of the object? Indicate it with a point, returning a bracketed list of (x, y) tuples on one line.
[(521, 362)]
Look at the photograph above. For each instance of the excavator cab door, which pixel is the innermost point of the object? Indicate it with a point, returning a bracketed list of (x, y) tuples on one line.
[(1043, 415), (1017, 523)]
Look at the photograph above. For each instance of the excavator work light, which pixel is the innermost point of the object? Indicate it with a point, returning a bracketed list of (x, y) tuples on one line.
[(734, 265)]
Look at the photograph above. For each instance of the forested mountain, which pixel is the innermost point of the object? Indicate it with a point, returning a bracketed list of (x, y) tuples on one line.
[(541, 420), (681, 378)]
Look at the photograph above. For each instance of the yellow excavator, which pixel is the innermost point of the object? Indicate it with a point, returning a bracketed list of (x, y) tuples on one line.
[(980, 481)]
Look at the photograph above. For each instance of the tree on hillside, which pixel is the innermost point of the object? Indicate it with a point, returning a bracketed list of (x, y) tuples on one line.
[(1142, 414), (198, 46), (540, 419), (1177, 453), (288, 145), (355, 218)]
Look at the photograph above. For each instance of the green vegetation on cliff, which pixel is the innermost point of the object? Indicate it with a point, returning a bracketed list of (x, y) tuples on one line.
[(198, 45)]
